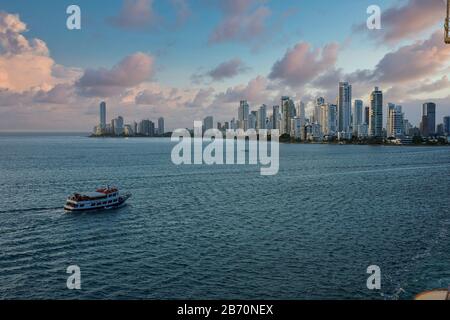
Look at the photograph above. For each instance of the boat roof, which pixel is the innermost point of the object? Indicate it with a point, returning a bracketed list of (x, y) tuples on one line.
[(92, 194)]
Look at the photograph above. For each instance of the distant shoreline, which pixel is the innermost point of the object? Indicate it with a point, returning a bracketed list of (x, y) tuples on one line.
[(342, 143)]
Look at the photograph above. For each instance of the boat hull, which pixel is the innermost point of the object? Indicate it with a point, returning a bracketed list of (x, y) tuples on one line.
[(120, 204)]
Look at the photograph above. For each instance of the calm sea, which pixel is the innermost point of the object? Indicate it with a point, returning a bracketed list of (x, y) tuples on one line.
[(201, 232)]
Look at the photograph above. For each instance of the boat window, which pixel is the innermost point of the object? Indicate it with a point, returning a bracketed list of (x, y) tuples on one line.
[(81, 205), (109, 201), (105, 202)]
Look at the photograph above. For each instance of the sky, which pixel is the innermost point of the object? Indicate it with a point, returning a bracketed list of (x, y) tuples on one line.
[(187, 59)]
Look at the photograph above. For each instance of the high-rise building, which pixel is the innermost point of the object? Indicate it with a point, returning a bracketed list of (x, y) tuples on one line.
[(161, 129), (276, 118), (208, 123), (447, 125), (117, 125), (301, 112), (252, 118), (103, 115), (395, 122), (376, 114), (367, 115), (428, 125), (243, 113), (344, 107), (261, 117), (287, 113), (357, 114)]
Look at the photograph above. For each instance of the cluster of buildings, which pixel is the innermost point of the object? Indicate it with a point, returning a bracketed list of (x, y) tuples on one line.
[(117, 127), (345, 119)]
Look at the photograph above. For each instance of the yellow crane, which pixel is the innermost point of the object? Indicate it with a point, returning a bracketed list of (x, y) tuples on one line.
[(447, 24)]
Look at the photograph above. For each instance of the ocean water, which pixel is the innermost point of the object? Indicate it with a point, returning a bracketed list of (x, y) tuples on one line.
[(222, 232)]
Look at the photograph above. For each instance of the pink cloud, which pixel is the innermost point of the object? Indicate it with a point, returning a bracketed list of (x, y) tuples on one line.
[(130, 72), (415, 61), (303, 63), (244, 20), (408, 20), (136, 14)]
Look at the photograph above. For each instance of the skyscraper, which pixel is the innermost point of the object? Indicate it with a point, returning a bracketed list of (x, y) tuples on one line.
[(447, 125), (261, 119), (243, 112), (344, 106), (367, 115), (208, 123), (395, 123), (376, 114), (357, 114), (287, 113), (161, 129), (103, 115), (276, 118), (301, 112), (428, 126)]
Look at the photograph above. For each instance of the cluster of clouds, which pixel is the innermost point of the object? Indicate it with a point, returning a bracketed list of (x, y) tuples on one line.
[(31, 81)]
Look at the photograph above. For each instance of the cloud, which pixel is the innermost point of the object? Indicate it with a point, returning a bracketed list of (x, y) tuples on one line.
[(24, 63), (415, 61), (407, 20), (141, 15), (228, 69), (136, 14), (182, 11), (131, 71), (225, 70), (257, 90), (243, 21), (60, 94), (302, 64)]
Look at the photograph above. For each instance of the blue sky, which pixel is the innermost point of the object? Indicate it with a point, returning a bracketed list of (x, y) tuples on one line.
[(178, 49)]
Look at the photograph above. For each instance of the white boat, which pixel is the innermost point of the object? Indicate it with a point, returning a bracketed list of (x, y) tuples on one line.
[(102, 199)]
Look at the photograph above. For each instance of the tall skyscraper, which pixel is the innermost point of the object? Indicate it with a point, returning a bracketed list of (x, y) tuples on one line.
[(301, 112), (276, 118), (367, 115), (428, 125), (376, 114), (344, 106), (395, 123), (357, 114), (252, 119), (103, 115), (287, 113), (208, 123), (243, 112), (447, 125), (261, 118), (161, 129)]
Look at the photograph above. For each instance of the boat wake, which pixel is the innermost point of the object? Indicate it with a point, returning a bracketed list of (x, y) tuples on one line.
[(29, 209)]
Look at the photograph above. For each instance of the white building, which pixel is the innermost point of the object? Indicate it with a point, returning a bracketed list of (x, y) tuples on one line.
[(102, 116), (161, 129), (395, 124)]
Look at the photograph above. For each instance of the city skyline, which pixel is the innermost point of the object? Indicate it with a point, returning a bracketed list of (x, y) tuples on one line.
[(184, 61)]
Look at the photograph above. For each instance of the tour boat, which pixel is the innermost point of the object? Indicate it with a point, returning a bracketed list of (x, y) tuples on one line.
[(102, 199)]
